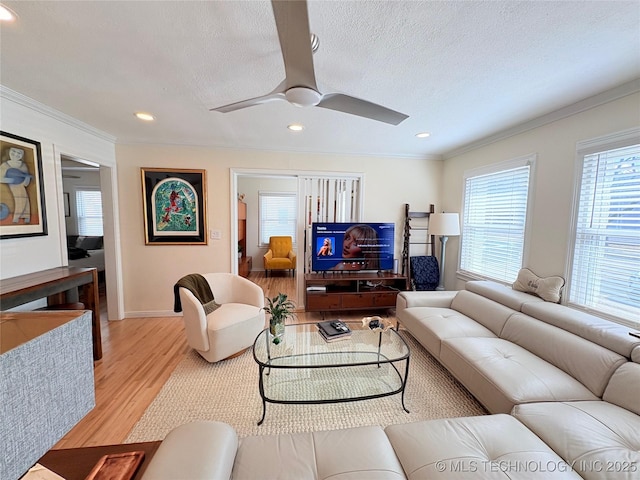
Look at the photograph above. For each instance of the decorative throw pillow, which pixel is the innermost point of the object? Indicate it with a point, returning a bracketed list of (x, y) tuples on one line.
[(547, 288)]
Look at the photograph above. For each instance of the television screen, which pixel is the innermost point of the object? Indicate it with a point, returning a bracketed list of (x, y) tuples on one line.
[(352, 246)]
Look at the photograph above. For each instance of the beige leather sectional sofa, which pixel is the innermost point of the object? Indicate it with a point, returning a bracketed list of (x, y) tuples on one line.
[(562, 387), (572, 378)]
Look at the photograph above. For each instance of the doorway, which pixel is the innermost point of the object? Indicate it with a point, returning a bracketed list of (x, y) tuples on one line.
[(253, 190), (320, 196), (79, 175)]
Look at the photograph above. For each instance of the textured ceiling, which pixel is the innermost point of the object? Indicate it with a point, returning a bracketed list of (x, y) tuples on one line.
[(462, 70)]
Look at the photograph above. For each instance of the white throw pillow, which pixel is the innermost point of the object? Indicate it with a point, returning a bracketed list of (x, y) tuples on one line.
[(547, 288)]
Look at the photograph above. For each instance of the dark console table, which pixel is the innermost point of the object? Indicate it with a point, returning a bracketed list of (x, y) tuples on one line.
[(60, 286), (77, 463)]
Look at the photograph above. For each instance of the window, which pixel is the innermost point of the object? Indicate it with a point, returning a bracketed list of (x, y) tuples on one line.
[(605, 272), (89, 211), (278, 215), (494, 220)]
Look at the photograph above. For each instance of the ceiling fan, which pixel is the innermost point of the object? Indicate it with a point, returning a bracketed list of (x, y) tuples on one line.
[(299, 87)]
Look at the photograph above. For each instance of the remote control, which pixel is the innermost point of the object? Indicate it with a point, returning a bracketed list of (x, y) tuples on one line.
[(339, 326)]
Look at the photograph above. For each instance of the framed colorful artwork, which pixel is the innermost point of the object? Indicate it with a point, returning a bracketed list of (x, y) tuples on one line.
[(22, 206), (175, 204)]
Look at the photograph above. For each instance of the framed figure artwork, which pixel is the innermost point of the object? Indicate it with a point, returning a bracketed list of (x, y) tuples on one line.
[(22, 202), (174, 204)]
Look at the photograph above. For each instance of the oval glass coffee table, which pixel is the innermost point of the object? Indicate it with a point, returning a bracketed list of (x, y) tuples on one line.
[(304, 368)]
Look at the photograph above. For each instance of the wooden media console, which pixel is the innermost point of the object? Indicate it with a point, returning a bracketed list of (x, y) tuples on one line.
[(335, 291)]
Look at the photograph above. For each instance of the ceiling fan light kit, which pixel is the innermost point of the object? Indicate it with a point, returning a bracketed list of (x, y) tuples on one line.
[(303, 97), (300, 87)]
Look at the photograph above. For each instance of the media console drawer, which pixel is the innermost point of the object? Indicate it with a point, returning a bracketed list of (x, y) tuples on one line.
[(357, 300), (385, 299), (323, 301)]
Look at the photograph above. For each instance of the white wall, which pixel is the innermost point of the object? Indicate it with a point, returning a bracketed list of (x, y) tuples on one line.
[(555, 146), (149, 272), (57, 135)]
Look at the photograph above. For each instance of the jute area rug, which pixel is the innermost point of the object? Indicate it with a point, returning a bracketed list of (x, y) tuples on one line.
[(228, 392)]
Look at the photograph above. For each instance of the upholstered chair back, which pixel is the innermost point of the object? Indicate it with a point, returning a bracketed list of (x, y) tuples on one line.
[(280, 246)]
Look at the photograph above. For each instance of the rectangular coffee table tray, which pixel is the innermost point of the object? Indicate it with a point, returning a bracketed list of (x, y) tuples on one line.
[(304, 368)]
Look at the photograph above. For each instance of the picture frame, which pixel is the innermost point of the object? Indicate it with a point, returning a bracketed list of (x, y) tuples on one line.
[(174, 206), (22, 200), (67, 205)]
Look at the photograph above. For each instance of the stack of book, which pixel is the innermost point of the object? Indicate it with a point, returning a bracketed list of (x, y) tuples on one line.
[(334, 330)]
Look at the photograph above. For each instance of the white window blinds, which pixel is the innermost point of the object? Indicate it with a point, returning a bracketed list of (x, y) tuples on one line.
[(278, 215), (89, 211), (605, 275), (494, 220)]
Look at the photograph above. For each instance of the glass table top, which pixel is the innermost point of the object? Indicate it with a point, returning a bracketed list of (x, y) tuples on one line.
[(302, 346)]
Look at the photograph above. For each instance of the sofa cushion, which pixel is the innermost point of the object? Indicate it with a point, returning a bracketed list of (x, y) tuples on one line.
[(585, 361), (431, 325), (362, 453), (487, 447), (635, 354), (89, 243), (501, 293), (483, 310), (600, 440), (624, 387), (196, 450), (595, 329), (501, 374), (547, 288), (439, 298)]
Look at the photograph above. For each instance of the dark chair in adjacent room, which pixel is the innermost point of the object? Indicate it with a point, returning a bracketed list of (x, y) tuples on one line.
[(425, 273)]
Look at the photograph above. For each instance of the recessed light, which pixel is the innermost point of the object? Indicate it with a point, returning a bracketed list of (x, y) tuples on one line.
[(147, 117), (423, 134), (6, 15), (295, 127)]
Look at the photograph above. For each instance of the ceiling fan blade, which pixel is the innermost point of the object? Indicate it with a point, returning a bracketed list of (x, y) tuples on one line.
[(292, 22), (276, 94), (362, 108)]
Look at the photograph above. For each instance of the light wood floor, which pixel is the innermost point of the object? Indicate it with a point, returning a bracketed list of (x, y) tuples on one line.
[(139, 355)]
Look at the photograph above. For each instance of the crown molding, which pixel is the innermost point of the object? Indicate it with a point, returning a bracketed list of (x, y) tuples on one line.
[(428, 157), (20, 99), (621, 91)]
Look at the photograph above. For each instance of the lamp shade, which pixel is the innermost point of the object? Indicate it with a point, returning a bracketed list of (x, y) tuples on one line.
[(444, 224)]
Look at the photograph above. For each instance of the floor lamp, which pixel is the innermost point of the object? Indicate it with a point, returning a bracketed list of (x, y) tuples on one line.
[(443, 225)]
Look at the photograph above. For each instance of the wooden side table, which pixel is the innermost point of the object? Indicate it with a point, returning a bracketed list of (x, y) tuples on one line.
[(244, 266), (77, 463)]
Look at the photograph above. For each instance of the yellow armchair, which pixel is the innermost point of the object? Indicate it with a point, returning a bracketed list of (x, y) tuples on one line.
[(280, 255)]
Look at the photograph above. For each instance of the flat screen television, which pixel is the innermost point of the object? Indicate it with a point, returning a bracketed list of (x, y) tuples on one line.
[(352, 246)]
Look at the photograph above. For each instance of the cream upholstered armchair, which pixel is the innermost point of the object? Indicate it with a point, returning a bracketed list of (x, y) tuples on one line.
[(280, 255), (236, 320)]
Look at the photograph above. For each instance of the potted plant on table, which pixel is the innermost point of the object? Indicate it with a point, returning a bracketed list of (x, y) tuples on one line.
[(279, 308)]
